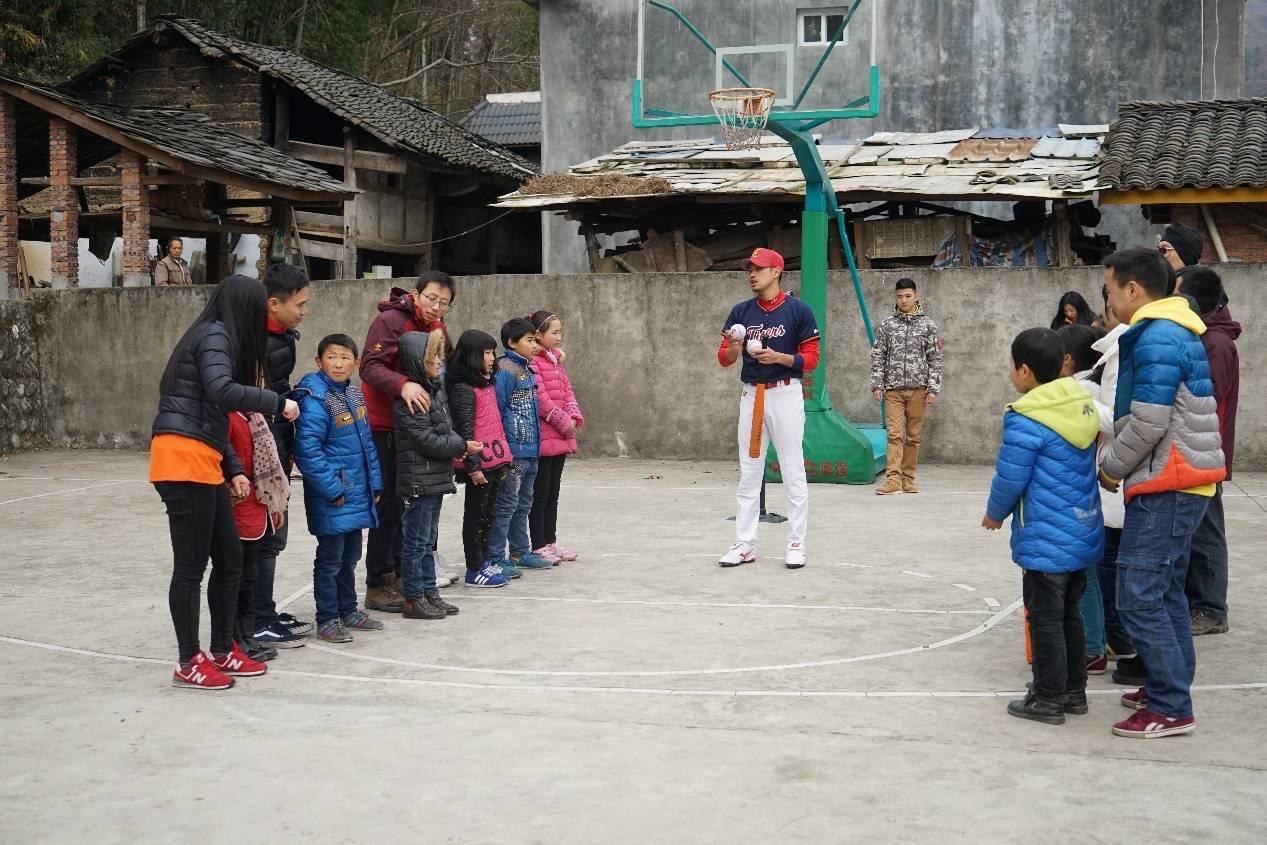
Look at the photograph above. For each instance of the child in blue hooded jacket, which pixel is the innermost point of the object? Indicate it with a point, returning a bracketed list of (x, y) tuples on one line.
[(1045, 479), (342, 482)]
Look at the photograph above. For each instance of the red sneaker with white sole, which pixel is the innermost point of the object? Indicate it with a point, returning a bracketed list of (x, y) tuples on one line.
[(1137, 700), (236, 662), (201, 673), (1097, 665), (1145, 724)]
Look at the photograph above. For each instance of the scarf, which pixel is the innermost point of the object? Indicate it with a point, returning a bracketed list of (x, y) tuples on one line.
[(272, 488)]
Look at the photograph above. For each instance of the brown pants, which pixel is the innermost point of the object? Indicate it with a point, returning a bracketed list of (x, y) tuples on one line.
[(904, 412)]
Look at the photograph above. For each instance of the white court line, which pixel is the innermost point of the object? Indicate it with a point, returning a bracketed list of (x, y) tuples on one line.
[(294, 596), (990, 602), (916, 574), (622, 554), (669, 603), (856, 565), (423, 682), (965, 588), (64, 492)]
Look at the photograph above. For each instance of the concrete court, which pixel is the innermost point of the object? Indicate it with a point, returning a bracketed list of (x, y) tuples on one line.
[(641, 694)]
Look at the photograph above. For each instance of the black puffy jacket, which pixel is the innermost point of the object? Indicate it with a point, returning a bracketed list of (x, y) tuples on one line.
[(281, 364), (426, 443), (204, 393)]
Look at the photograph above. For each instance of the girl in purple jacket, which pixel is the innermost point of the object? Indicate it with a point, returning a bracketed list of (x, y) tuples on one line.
[(560, 420)]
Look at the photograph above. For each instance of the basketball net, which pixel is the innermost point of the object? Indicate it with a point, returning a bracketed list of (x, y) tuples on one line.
[(742, 113)]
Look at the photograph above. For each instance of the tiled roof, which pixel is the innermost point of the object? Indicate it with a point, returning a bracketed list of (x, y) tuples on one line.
[(952, 164), (511, 122), (394, 120), (191, 137), (1193, 144)]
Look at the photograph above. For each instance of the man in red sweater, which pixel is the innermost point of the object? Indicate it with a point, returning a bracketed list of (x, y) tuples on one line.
[(381, 382)]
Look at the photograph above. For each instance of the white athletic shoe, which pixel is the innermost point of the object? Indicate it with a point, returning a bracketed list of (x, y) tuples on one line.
[(444, 575), (738, 553), (795, 556)]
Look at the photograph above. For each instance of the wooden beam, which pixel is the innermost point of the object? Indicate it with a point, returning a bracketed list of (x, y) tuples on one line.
[(320, 224), (392, 246), (113, 181), (1184, 196), (349, 205), (177, 224), (1215, 238), (281, 116), (321, 249), (365, 160), (1064, 252)]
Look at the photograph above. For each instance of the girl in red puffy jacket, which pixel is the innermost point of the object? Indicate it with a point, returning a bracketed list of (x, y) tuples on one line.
[(560, 420)]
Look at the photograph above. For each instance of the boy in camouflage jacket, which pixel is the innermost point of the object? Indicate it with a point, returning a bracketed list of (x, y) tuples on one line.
[(906, 365)]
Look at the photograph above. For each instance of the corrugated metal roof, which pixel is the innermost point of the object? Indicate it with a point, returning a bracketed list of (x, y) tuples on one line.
[(1067, 148), (993, 149)]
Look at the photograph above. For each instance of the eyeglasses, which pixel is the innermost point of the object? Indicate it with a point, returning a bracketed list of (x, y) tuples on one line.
[(435, 302)]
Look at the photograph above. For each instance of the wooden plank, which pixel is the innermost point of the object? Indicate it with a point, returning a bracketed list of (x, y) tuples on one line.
[(905, 237), (349, 205), (321, 224), (365, 160), (963, 230), (1064, 253), (112, 181), (1183, 196), (591, 247), (321, 249), (177, 224), (392, 246), (679, 251), (862, 232)]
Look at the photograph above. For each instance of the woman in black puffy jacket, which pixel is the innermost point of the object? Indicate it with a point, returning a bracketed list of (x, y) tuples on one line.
[(216, 368)]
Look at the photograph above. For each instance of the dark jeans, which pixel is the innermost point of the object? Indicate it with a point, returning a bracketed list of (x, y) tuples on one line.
[(510, 513), (272, 544), (334, 574), (1055, 630), (477, 518), (1207, 570), (417, 554), (244, 621), (1114, 634), (382, 552), (200, 519), (1152, 568), (544, 519)]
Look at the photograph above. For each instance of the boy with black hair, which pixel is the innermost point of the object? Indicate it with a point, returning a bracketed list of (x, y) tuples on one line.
[(1207, 570), (1167, 459), (906, 369), (516, 388), (1045, 480), (288, 291)]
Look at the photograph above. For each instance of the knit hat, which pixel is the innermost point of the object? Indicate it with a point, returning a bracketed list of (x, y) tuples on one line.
[(1187, 242)]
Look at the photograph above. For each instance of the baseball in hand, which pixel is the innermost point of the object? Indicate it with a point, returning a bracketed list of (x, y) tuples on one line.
[(754, 346), (737, 331)]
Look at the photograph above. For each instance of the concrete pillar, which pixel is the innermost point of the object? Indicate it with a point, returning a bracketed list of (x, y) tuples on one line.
[(63, 226), (9, 281), (136, 221)]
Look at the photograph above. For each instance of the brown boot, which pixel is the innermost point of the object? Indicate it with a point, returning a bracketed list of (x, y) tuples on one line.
[(420, 608), (891, 485), (384, 599), (908, 485)]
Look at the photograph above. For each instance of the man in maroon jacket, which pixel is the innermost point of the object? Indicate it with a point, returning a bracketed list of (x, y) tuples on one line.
[(1207, 570), (382, 382)]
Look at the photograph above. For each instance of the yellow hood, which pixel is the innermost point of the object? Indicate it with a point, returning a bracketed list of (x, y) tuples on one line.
[(1065, 407), (1173, 308)]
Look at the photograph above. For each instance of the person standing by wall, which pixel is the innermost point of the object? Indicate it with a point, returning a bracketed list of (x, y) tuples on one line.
[(172, 269)]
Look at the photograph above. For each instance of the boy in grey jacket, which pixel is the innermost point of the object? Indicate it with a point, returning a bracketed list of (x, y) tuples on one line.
[(906, 368)]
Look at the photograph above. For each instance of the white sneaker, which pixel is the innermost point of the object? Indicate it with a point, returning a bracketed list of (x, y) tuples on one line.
[(738, 553), (795, 556), (444, 575)]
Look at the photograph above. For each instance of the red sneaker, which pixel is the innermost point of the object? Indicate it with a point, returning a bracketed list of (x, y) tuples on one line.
[(201, 673), (1137, 700), (236, 662), (1097, 665), (1145, 724)]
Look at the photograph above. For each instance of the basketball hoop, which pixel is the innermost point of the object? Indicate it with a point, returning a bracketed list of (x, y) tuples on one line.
[(742, 113)]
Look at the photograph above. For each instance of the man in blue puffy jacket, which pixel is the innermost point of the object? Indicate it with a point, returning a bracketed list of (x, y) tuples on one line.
[(1045, 479)]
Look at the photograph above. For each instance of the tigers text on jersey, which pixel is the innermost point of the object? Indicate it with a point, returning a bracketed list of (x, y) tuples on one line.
[(786, 327)]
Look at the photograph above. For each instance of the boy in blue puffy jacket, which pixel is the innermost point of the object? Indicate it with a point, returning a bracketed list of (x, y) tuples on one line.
[(1045, 479), (342, 482)]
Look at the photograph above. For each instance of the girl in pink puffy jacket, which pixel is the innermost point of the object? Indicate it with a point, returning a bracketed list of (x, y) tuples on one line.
[(560, 420)]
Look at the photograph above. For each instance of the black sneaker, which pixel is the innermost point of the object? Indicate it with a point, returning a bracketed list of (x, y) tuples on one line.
[(1130, 672), (277, 635), (295, 626), (1076, 703), (1037, 709), (1203, 623), (256, 650), (433, 599)]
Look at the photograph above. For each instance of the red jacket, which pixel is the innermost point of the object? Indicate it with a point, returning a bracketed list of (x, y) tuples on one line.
[(381, 379), (1219, 340), (556, 405), (250, 514)]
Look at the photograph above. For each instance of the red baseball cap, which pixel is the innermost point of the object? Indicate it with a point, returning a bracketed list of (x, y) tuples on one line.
[(762, 257)]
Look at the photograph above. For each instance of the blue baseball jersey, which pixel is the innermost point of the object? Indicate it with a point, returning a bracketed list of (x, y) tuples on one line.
[(784, 330)]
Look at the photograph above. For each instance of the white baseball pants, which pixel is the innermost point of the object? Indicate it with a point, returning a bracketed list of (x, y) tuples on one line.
[(784, 421)]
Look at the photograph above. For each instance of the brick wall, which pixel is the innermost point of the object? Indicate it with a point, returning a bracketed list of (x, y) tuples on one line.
[(1243, 229), (136, 220), (8, 196), (63, 163)]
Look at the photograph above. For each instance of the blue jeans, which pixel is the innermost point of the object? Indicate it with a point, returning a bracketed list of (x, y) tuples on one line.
[(1114, 634), (1207, 572), (1152, 567), (1091, 606), (334, 575), (514, 503), (418, 523)]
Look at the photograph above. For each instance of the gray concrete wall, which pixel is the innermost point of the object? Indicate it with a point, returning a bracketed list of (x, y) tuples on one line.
[(945, 65), (642, 352)]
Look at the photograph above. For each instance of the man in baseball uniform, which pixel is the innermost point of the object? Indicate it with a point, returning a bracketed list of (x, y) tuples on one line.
[(777, 337)]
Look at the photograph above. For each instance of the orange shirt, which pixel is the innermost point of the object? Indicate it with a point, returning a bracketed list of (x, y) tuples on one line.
[(175, 457)]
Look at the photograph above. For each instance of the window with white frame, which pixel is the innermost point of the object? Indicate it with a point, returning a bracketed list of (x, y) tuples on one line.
[(817, 26)]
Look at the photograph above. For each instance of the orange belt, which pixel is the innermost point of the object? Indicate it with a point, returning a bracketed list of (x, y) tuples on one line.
[(758, 414)]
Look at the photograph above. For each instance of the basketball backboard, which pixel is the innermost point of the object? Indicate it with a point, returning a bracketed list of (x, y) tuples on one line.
[(817, 56)]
